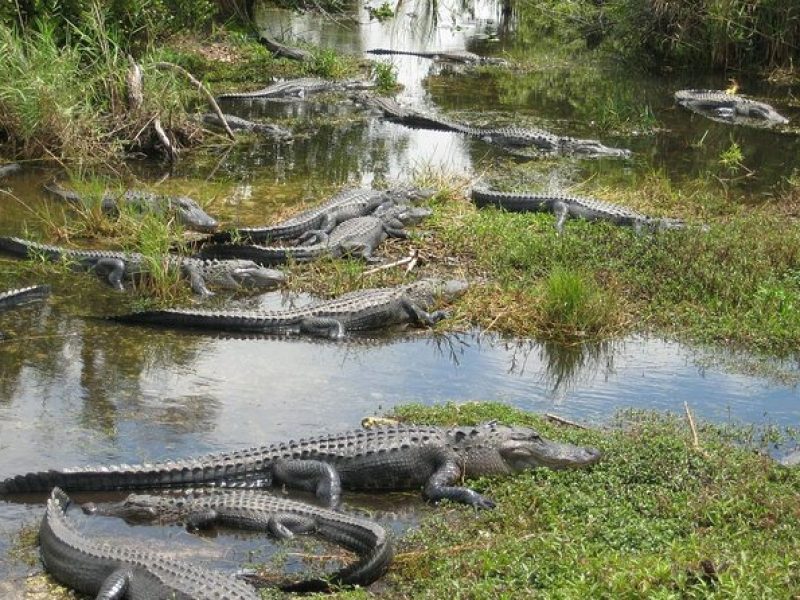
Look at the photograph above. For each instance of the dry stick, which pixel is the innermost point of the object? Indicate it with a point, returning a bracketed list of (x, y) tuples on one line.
[(135, 85), (403, 261), (563, 421), (162, 135), (695, 438), (199, 85)]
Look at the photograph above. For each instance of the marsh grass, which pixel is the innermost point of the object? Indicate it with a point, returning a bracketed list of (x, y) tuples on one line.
[(655, 518)]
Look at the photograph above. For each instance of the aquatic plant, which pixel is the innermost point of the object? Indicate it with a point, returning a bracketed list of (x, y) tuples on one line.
[(385, 75)]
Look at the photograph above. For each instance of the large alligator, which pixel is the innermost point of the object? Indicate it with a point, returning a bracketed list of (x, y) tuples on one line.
[(282, 50), (186, 210), (456, 56), (298, 88), (402, 457), (9, 169), (509, 138), (239, 124), (110, 570), (261, 511), (356, 238), (729, 108), (117, 266), (565, 206), (363, 310), (347, 204)]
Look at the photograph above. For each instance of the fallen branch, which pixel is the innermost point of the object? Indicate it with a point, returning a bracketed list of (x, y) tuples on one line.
[(172, 153), (563, 421), (199, 85), (410, 260), (135, 86)]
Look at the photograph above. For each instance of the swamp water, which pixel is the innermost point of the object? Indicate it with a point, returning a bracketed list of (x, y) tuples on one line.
[(77, 390)]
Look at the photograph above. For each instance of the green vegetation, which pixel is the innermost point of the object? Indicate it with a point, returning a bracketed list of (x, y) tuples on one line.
[(657, 517), (382, 13), (725, 34), (385, 75)]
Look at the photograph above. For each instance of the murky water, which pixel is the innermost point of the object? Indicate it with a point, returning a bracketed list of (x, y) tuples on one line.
[(78, 390)]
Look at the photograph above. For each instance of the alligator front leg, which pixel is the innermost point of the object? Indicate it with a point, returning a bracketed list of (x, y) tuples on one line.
[(112, 268), (310, 475), (196, 281), (417, 315), (115, 587), (561, 210), (439, 487)]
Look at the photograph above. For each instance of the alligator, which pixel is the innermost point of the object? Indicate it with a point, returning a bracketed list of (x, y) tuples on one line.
[(357, 238), (347, 204), (117, 265), (282, 50), (186, 210), (9, 169), (20, 296), (402, 457), (363, 310), (565, 206), (110, 570), (729, 108), (509, 138), (298, 88), (261, 511), (456, 56), (239, 124)]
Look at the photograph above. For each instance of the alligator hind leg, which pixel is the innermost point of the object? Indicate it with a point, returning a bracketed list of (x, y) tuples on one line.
[(115, 586), (439, 488), (310, 475), (323, 327), (420, 316), (561, 210)]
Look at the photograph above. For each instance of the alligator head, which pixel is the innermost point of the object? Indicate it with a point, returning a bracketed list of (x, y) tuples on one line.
[(191, 215), (409, 193), (406, 214), (250, 274), (136, 508), (592, 148), (427, 292), (522, 448)]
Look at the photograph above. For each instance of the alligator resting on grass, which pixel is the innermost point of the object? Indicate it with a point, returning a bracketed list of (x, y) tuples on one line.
[(110, 570), (186, 210), (261, 511), (509, 138), (9, 169), (298, 88), (729, 108), (402, 457), (456, 56), (239, 124), (118, 266), (347, 204), (363, 310), (357, 238), (565, 206)]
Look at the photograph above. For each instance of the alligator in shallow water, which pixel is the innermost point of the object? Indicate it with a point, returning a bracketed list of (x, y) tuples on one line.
[(186, 210), (566, 205), (356, 238), (239, 124), (298, 88), (729, 108), (363, 310), (110, 570), (347, 204), (261, 511), (9, 169), (457, 56), (282, 50), (117, 266), (403, 457), (18, 297), (509, 138)]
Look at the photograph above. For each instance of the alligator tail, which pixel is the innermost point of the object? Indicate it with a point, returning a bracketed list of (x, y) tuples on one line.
[(23, 295), (130, 477)]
